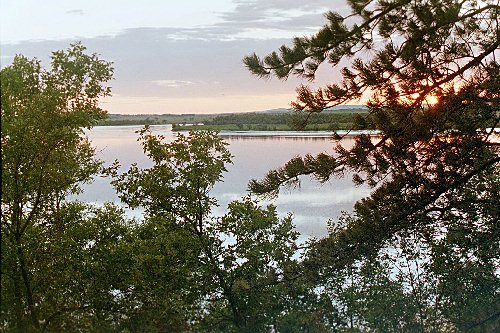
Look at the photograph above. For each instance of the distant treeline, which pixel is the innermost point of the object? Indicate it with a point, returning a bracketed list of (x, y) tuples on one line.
[(281, 121), (154, 119), (252, 121)]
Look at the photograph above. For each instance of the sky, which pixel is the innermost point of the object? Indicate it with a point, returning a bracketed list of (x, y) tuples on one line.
[(171, 56)]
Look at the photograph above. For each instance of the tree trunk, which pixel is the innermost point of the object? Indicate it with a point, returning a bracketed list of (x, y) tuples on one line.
[(27, 285), (18, 306)]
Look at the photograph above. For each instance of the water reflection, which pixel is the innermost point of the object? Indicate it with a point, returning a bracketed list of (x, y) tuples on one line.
[(254, 154), (273, 138)]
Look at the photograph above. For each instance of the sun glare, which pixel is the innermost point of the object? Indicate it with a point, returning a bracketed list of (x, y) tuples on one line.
[(431, 100)]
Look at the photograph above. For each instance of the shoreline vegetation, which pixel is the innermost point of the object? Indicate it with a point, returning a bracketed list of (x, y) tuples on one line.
[(272, 120)]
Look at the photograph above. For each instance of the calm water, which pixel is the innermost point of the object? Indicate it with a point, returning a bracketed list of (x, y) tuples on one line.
[(255, 153)]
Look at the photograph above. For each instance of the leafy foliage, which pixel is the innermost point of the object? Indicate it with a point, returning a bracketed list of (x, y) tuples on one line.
[(44, 157), (221, 273), (249, 262), (181, 178)]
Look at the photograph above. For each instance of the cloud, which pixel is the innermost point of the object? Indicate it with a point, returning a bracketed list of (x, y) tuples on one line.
[(152, 63), (76, 12), (172, 83), (294, 16), (323, 199), (204, 62)]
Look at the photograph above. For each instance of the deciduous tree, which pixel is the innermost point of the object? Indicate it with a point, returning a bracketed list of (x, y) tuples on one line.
[(44, 154), (203, 272)]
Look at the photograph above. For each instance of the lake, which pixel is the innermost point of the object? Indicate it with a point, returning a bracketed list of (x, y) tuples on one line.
[(255, 153)]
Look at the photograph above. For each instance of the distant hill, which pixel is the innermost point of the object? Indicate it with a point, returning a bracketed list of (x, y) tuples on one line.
[(275, 111), (347, 108), (339, 108)]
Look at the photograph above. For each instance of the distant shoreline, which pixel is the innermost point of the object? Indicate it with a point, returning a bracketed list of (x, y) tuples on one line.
[(272, 120)]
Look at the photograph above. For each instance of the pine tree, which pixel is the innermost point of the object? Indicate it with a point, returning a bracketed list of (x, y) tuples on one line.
[(429, 70), (434, 86)]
